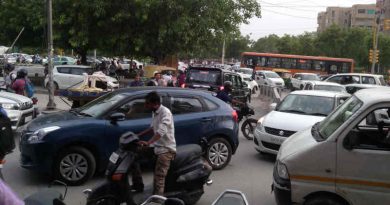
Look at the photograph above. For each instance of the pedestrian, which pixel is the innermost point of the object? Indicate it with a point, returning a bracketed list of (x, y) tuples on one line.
[(157, 80), (112, 69), (19, 85), (46, 70), (163, 142), (9, 76), (137, 82), (141, 71), (181, 79)]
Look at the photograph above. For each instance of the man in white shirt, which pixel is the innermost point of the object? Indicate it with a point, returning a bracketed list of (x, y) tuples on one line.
[(163, 140)]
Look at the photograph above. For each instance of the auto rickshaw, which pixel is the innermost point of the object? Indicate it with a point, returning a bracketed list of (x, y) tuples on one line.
[(285, 74)]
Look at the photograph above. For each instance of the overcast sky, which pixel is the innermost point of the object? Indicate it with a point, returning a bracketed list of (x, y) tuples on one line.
[(292, 17)]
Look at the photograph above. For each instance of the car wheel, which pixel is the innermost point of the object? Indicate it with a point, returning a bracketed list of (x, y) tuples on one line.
[(75, 165), (219, 153), (324, 200)]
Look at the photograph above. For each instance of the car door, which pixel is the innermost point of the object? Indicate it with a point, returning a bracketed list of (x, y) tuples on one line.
[(363, 159), (137, 119), (238, 90), (296, 80), (62, 77), (191, 118), (77, 78)]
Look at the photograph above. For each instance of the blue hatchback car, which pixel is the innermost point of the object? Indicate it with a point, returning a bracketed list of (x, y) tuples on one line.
[(73, 145)]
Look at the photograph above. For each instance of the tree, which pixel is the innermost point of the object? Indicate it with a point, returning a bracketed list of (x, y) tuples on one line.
[(266, 44), (331, 42), (236, 46)]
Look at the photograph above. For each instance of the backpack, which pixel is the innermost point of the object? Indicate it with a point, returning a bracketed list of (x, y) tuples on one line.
[(29, 88)]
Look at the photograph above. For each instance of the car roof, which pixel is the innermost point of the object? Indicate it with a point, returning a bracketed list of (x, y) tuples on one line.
[(373, 96), (73, 66), (364, 85), (208, 67), (306, 73), (141, 90), (266, 71), (362, 74), (322, 93), (325, 83)]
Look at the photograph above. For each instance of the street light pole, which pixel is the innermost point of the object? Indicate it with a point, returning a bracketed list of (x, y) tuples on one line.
[(50, 105), (375, 42)]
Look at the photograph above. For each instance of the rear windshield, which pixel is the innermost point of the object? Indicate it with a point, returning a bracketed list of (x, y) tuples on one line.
[(204, 76)]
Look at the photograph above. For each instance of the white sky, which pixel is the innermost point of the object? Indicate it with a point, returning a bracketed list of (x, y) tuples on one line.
[(292, 17)]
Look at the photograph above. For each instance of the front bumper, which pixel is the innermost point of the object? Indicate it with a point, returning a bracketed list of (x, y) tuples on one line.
[(267, 143), (19, 118), (282, 189), (35, 156)]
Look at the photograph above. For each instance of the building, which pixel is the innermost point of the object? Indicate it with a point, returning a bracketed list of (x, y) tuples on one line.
[(359, 15)]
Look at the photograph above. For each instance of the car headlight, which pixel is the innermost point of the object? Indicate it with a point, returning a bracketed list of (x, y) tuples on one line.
[(282, 170), (39, 134), (10, 106), (259, 125)]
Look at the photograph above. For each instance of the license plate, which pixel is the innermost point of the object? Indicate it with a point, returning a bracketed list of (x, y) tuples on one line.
[(114, 157), (28, 118), (276, 140)]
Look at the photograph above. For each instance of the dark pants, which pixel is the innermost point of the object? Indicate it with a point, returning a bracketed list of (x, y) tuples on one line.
[(163, 162)]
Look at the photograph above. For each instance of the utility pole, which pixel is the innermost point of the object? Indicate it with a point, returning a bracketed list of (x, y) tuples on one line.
[(375, 41), (223, 51), (51, 104)]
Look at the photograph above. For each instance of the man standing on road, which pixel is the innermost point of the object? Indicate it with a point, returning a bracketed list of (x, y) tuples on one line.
[(163, 141)]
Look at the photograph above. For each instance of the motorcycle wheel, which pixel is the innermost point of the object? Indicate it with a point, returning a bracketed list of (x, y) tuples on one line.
[(248, 128)]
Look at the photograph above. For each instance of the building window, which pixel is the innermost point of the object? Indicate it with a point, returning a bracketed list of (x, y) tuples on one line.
[(371, 11), (361, 11)]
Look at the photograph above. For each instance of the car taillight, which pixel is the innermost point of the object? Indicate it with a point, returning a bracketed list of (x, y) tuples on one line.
[(117, 177), (221, 88), (235, 116)]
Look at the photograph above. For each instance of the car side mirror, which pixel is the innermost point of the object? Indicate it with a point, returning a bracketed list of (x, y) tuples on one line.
[(273, 106), (351, 140), (115, 117)]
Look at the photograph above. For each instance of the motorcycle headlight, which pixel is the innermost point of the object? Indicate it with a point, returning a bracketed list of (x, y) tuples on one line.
[(282, 170), (259, 125), (39, 134), (10, 106)]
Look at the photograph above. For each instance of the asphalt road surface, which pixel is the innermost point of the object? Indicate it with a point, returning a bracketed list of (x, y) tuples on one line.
[(248, 172)]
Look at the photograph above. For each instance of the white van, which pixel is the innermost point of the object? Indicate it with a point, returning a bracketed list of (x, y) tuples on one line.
[(345, 159)]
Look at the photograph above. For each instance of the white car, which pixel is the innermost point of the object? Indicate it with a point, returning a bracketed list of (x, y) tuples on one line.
[(246, 71), (71, 76), (20, 109), (299, 80), (126, 64), (252, 84), (357, 78), (297, 111), (270, 78), (320, 85)]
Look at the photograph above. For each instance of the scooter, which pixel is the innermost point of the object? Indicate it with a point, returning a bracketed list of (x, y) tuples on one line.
[(185, 179)]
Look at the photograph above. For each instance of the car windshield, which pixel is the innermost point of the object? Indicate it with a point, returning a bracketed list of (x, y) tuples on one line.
[(204, 76), (330, 88), (310, 77), (101, 105), (337, 118), (272, 75), (307, 105), (245, 71)]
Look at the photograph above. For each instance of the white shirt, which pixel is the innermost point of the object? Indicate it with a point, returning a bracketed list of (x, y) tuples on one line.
[(162, 123)]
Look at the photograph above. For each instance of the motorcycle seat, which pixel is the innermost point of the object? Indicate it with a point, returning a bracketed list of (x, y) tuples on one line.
[(186, 154)]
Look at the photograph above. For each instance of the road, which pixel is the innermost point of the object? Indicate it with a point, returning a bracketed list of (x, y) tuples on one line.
[(248, 172)]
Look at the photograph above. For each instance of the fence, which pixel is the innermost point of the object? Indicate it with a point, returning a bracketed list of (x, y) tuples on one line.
[(271, 92)]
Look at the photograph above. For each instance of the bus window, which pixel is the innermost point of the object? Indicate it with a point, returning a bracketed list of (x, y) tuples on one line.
[(304, 64), (289, 63), (261, 61), (346, 68), (319, 65), (274, 62)]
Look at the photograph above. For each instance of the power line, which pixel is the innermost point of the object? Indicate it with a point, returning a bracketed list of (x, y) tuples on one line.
[(292, 8), (284, 14)]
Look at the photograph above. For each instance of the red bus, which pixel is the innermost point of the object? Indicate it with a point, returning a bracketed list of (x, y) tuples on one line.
[(297, 63)]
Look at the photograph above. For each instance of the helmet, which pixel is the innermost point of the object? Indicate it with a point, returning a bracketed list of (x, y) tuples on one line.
[(227, 85), (22, 73)]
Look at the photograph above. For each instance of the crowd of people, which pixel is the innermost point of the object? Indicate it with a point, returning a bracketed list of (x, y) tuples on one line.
[(159, 79)]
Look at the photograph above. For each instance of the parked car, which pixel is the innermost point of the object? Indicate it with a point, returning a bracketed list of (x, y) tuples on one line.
[(126, 63), (352, 88), (297, 111), (357, 78), (342, 160), (71, 76), (20, 109), (73, 145), (299, 79), (212, 79), (64, 60), (319, 85), (270, 78)]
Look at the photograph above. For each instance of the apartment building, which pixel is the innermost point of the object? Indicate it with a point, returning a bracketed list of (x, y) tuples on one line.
[(360, 15)]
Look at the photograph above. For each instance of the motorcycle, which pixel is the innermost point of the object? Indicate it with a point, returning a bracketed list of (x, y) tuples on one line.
[(249, 124), (185, 179)]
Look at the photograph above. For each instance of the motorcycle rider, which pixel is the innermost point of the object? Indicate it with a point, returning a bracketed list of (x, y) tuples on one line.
[(164, 143), (224, 94)]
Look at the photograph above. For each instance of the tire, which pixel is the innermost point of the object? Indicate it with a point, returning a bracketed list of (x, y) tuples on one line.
[(301, 87), (219, 153), (84, 165), (248, 128), (324, 200)]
